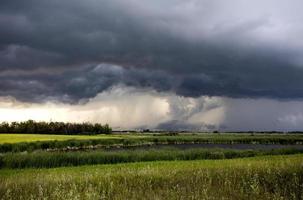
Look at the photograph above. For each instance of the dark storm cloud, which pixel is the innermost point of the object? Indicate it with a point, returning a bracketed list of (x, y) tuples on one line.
[(20, 57), (190, 48), (71, 86)]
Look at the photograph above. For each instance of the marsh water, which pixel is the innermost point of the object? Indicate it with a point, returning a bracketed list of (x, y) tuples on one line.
[(209, 146), (184, 146)]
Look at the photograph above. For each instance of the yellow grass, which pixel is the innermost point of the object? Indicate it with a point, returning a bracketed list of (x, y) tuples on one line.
[(15, 138)]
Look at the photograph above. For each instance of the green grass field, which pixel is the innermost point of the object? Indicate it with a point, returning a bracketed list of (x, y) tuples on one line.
[(42, 159), (274, 176), (268, 177), (17, 138)]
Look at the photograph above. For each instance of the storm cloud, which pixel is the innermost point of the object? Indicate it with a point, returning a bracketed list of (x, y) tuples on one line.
[(199, 64), (54, 49)]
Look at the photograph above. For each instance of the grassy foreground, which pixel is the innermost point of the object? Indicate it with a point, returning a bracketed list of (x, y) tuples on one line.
[(268, 177)]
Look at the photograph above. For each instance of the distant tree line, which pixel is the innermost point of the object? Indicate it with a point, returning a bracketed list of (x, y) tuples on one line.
[(32, 126)]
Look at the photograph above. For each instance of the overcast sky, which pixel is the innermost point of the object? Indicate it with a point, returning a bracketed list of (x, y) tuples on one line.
[(173, 64)]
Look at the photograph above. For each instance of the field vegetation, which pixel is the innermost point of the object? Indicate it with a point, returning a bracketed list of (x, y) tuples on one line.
[(60, 159), (32, 142), (132, 166), (26, 138), (268, 177)]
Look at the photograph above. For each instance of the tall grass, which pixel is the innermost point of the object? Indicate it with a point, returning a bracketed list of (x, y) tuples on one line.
[(59, 159), (266, 178)]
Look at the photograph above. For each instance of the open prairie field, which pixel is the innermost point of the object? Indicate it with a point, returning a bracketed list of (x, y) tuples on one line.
[(151, 166), (17, 138), (186, 137), (266, 177)]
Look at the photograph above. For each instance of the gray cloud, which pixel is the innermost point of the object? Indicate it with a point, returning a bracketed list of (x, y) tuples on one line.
[(74, 85), (52, 49)]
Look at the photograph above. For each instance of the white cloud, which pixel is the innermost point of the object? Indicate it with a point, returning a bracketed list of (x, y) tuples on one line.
[(127, 108), (120, 107)]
